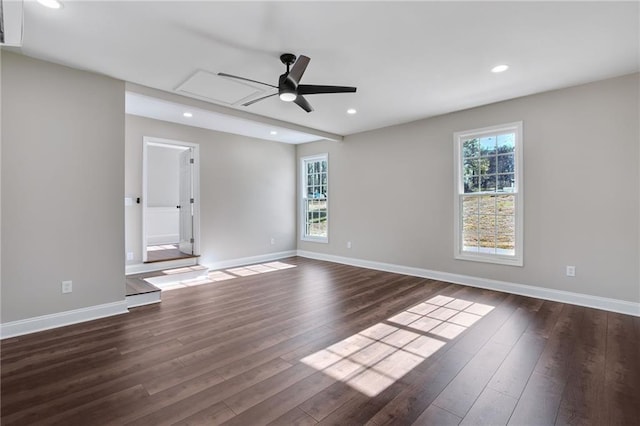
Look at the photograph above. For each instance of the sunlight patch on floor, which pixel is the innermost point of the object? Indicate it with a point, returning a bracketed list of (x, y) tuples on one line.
[(373, 359), (226, 274)]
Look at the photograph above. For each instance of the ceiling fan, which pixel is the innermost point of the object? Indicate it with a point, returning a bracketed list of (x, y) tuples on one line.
[(289, 87)]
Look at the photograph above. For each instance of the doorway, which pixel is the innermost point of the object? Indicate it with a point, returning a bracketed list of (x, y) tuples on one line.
[(170, 200)]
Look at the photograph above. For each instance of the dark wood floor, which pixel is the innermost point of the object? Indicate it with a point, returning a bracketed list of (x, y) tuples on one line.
[(165, 253), (330, 344)]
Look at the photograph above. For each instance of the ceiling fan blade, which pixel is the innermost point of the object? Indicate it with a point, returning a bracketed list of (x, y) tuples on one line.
[(298, 69), (259, 99), (222, 74), (312, 89), (302, 103)]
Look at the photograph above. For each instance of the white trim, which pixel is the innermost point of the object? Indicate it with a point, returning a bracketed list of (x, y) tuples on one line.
[(46, 322), (604, 303), (141, 268), (155, 141), (143, 299), (232, 263)]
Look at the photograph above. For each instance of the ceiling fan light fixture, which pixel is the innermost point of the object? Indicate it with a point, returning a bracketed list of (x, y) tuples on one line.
[(288, 96)]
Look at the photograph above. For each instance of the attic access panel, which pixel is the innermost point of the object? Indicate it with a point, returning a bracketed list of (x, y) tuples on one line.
[(213, 88)]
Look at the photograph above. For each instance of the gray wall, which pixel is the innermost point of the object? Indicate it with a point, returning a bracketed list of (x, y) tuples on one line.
[(62, 180), (163, 176), (247, 190), (391, 191)]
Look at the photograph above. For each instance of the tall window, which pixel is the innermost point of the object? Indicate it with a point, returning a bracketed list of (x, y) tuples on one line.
[(488, 194), (315, 180)]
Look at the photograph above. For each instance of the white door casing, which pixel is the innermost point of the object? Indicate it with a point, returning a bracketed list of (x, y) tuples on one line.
[(189, 189)]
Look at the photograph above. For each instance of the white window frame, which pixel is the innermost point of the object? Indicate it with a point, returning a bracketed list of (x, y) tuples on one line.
[(304, 198), (459, 138)]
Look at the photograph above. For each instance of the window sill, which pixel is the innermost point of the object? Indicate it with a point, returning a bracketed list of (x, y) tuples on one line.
[(324, 240), (488, 258)]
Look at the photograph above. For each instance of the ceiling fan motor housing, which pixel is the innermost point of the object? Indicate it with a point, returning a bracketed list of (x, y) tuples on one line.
[(286, 89), (288, 59)]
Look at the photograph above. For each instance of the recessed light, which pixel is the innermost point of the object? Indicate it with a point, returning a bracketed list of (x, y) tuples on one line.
[(351, 111), (187, 114), (273, 132), (51, 4), (500, 68)]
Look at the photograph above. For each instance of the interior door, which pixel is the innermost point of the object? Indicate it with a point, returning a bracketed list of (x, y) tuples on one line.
[(186, 201)]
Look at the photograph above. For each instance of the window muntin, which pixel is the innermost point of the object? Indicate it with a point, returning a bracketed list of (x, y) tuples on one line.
[(488, 200), (315, 190)]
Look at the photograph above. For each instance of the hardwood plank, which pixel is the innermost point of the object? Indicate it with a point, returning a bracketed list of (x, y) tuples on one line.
[(216, 414), (621, 400), (585, 383), (512, 376), (280, 403), (461, 393), (295, 417), (189, 398), (539, 402), (437, 416), (491, 408), (542, 394)]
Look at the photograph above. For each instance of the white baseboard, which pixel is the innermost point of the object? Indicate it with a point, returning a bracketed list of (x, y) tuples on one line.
[(607, 304), (232, 263), (46, 322), (136, 300), (141, 268), (158, 240)]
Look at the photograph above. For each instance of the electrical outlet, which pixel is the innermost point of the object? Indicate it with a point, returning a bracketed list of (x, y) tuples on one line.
[(571, 271), (273, 241), (67, 286), (130, 255), (348, 244)]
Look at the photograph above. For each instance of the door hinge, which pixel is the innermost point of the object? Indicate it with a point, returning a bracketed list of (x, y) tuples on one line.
[(192, 241), (191, 160), (192, 200)]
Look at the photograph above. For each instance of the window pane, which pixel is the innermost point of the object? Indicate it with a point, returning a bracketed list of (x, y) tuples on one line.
[(470, 148), (487, 224), (471, 184), (506, 244), (506, 143), (488, 165), (488, 183), (505, 182), (470, 240), (471, 166), (506, 163), (506, 224), (487, 205), (505, 204), (488, 145), (470, 205)]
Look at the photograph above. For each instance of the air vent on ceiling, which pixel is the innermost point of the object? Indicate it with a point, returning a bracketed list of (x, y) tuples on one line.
[(213, 88)]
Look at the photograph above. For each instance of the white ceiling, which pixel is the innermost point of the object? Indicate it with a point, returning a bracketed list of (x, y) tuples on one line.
[(409, 60)]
